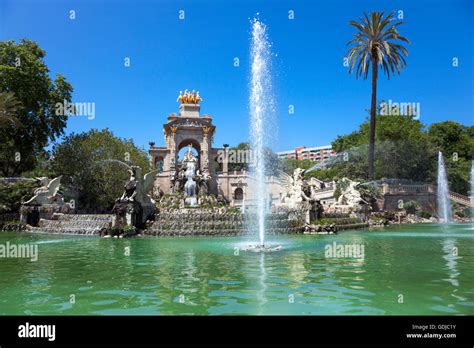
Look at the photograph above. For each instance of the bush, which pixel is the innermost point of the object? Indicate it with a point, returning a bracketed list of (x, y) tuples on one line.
[(12, 194), (463, 213), (411, 207), (425, 215), (336, 221)]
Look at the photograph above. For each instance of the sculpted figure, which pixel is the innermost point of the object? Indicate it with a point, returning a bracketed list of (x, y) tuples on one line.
[(139, 186), (295, 187), (47, 193), (198, 97), (189, 97), (180, 97)]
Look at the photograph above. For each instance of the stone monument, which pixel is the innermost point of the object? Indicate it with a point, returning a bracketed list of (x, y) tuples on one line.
[(135, 206), (46, 202)]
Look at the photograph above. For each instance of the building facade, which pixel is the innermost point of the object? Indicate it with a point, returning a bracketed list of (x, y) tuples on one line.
[(316, 154), (188, 127)]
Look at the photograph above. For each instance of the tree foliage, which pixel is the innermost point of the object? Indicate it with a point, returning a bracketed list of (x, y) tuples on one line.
[(13, 193), (91, 173), (288, 165), (27, 102), (405, 150), (376, 44), (241, 157)]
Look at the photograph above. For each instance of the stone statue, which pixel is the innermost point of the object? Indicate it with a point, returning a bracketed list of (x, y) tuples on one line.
[(349, 194), (130, 188), (157, 193), (48, 193), (46, 202), (350, 199), (190, 189), (135, 206), (138, 187), (189, 156), (295, 187), (203, 181)]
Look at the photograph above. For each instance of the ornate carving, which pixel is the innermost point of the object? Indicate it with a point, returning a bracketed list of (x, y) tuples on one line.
[(189, 97), (48, 193), (173, 129)]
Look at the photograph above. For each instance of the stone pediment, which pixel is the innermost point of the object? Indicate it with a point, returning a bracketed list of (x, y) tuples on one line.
[(190, 122), (179, 122)]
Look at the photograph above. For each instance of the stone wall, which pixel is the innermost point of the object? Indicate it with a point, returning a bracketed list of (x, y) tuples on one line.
[(427, 201), (215, 222)]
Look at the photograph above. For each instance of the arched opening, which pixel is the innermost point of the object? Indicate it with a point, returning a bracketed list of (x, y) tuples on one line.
[(239, 194), (159, 163), (183, 147)]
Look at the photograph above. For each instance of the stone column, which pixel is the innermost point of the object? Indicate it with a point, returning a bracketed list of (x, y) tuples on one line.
[(152, 162), (205, 148), (172, 148), (225, 164)]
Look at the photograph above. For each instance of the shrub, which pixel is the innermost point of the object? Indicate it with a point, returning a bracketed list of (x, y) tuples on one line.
[(425, 214), (411, 207), (12, 194)]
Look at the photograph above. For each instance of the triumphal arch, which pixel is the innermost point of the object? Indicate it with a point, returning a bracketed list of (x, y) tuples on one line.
[(188, 129)]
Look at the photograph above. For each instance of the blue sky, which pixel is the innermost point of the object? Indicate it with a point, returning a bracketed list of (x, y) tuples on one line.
[(168, 54)]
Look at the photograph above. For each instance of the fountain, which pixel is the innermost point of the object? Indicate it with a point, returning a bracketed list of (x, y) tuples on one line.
[(190, 185), (472, 192), (444, 204), (261, 105)]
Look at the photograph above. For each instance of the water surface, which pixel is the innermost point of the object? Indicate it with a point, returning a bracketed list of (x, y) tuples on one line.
[(429, 268)]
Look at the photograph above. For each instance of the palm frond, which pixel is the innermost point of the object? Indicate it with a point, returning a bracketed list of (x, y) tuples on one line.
[(376, 39)]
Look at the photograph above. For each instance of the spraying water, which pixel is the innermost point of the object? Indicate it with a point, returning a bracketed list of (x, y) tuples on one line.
[(444, 204), (261, 109)]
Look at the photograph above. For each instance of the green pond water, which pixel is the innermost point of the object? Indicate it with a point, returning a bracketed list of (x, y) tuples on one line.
[(429, 268)]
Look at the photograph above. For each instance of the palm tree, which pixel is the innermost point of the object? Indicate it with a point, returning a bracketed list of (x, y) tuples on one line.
[(376, 43), (9, 108)]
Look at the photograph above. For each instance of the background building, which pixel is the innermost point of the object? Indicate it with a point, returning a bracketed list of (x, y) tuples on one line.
[(316, 154)]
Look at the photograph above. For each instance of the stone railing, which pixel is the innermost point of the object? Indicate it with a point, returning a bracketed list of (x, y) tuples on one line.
[(459, 198), (396, 189), (426, 188)]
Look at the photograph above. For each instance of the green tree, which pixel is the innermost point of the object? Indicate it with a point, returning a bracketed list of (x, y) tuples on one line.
[(25, 76), (456, 142), (403, 151), (241, 157), (288, 165), (13, 193), (452, 138), (90, 168), (9, 109), (376, 43)]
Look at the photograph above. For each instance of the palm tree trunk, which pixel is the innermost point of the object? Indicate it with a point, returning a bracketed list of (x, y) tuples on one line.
[(373, 109)]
